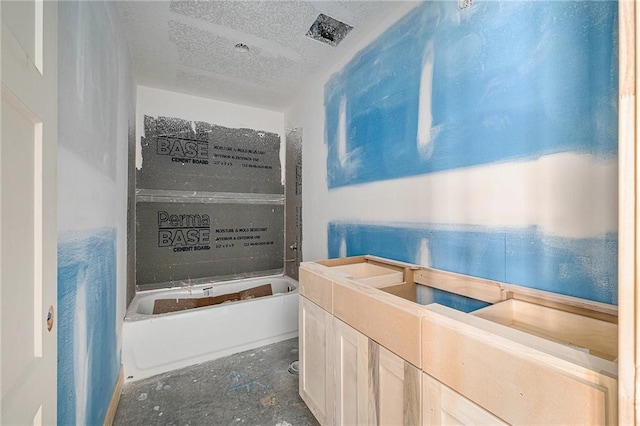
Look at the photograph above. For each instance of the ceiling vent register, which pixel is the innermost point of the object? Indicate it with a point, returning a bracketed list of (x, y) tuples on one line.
[(328, 30)]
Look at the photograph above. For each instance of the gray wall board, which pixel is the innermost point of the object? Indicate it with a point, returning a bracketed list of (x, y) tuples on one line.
[(293, 202), (187, 155), (185, 241)]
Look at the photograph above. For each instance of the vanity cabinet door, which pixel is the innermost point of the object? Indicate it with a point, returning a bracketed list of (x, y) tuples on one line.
[(395, 386), (316, 360), (351, 375), (444, 406)]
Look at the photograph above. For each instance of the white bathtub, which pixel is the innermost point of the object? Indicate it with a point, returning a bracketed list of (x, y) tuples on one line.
[(154, 344)]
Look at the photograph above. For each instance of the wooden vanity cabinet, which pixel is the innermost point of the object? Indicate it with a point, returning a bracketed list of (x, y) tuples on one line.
[(518, 377), (316, 382), (444, 406), (352, 392), (396, 388), (373, 386), (371, 355)]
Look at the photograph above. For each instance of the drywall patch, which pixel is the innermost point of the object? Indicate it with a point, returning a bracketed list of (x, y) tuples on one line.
[(87, 363), (580, 267), (177, 242), (437, 91), (193, 155)]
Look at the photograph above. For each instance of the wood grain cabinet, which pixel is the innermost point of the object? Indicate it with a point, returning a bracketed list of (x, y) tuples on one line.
[(444, 406), (396, 388), (316, 360), (375, 351), (351, 378), (517, 376), (373, 386)]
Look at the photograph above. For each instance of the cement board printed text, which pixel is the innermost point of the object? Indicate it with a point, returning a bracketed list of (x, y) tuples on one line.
[(195, 151), (192, 232), (183, 150), (184, 232)]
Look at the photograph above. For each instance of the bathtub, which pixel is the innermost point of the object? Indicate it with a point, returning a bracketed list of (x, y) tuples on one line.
[(154, 344)]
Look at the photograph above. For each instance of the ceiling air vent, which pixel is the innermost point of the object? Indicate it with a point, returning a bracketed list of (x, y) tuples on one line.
[(328, 30)]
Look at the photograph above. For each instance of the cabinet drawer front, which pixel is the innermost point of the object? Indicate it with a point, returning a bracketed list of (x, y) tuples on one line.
[(512, 381), (317, 288), (443, 406), (388, 324)]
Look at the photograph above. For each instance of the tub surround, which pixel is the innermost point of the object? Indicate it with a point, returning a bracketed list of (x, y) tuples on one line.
[(374, 348), (209, 190)]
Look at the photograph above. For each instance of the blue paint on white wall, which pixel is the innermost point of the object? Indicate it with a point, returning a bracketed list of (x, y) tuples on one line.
[(94, 93), (456, 301), (88, 364), (580, 267), (501, 81)]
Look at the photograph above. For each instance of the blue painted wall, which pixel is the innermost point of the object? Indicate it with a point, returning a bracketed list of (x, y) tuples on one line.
[(95, 103), (580, 267), (510, 80), (501, 82), (87, 360)]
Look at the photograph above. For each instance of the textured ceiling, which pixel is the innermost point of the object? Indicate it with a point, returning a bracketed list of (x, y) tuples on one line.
[(189, 46)]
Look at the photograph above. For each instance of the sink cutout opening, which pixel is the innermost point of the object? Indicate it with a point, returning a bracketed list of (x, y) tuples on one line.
[(589, 335), (427, 295)]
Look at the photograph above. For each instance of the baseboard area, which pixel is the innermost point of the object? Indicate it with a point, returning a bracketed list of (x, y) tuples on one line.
[(115, 397)]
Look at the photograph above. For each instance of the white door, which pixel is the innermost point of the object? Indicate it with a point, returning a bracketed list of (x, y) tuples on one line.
[(28, 260)]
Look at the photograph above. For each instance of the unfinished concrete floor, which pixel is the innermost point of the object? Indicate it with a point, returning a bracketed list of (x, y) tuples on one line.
[(249, 388)]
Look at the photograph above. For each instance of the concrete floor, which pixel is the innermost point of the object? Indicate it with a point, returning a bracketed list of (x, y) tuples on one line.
[(249, 388)]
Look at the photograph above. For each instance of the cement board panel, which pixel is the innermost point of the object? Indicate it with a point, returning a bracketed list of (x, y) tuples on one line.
[(183, 241), (184, 155)]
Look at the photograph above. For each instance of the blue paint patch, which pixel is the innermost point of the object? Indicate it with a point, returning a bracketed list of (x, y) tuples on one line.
[(475, 251), (87, 347), (455, 301), (580, 267), (585, 267), (509, 81)]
